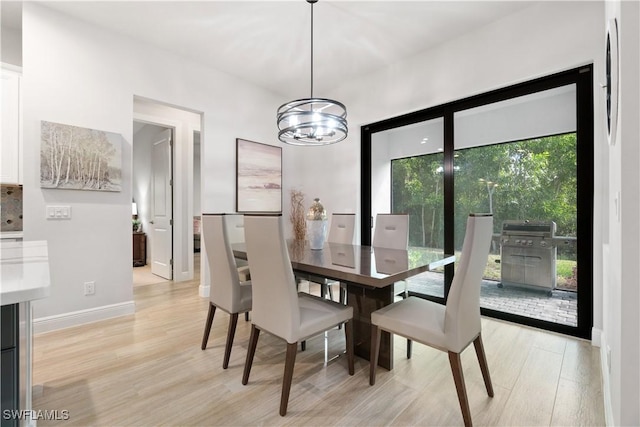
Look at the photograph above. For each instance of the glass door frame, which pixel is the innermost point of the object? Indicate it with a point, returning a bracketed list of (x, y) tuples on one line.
[(582, 77)]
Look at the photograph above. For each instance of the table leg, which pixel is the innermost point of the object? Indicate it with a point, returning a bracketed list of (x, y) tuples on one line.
[(365, 301)]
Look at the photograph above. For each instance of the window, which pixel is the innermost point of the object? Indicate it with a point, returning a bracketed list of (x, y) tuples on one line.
[(523, 153)]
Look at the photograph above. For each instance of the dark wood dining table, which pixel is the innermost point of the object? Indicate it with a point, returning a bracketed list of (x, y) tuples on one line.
[(369, 274)]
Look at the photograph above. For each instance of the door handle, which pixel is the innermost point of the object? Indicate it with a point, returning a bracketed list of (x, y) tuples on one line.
[(151, 222)]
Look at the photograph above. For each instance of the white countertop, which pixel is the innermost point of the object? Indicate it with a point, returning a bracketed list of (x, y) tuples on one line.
[(24, 271), (11, 234)]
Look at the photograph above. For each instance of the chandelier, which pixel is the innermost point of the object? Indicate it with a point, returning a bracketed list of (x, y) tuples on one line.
[(312, 121)]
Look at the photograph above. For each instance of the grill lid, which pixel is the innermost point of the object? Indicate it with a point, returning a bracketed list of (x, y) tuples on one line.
[(526, 227)]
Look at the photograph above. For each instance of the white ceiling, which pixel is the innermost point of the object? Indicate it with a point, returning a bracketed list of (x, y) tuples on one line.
[(268, 42)]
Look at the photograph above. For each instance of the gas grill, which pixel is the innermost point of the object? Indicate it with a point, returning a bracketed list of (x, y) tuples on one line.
[(528, 254)]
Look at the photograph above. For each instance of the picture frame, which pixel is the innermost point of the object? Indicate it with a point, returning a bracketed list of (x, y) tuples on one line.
[(77, 158), (611, 76), (258, 177)]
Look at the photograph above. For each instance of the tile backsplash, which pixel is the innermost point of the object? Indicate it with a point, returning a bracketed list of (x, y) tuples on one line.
[(10, 207)]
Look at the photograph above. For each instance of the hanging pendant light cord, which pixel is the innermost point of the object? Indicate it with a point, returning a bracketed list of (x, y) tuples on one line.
[(311, 50)]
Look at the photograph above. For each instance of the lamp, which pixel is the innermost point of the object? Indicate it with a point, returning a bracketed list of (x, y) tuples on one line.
[(312, 121), (134, 209)]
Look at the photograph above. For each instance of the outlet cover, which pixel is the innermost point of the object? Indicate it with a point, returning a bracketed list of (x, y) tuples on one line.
[(89, 288)]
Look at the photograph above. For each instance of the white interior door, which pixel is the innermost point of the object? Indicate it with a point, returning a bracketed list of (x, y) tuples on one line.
[(162, 203)]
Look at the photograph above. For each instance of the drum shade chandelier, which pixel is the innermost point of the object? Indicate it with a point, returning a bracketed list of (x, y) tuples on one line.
[(312, 121)]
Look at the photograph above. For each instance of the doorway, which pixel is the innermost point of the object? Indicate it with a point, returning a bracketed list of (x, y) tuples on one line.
[(152, 203), (163, 182)]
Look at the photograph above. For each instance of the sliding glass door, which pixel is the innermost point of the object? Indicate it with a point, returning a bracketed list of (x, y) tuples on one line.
[(407, 165), (523, 153), (517, 159)]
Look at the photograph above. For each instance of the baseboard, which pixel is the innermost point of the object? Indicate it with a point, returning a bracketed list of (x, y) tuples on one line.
[(606, 379), (596, 337), (80, 317), (203, 291)]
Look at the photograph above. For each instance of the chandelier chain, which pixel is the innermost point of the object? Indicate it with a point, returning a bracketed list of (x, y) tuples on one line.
[(311, 50)]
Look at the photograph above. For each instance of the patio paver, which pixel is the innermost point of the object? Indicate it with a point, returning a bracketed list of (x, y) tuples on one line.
[(561, 307)]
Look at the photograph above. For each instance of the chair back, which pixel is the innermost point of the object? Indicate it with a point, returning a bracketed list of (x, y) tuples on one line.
[(225, 284), (235, 228), (391, 231), (342, 228), (462, 315), (275, 298)]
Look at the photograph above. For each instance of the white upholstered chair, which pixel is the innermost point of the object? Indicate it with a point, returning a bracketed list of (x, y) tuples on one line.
[(227, 292), (341, 230), (449, 328), (277, 306), (391, 231), (235, 234)]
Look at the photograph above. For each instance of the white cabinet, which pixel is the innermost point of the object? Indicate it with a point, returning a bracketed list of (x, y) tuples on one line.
[(11, 142)]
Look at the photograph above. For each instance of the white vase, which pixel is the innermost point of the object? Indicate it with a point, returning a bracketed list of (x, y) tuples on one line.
[(316, 233)]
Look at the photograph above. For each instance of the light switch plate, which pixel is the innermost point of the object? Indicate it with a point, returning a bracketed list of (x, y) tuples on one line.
[(58, 212)]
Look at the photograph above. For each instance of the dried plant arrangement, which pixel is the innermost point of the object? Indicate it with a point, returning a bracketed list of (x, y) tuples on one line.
[(298, 215)]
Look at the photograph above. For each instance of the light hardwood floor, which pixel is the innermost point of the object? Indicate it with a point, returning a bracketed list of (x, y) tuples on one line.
[(148, 369)]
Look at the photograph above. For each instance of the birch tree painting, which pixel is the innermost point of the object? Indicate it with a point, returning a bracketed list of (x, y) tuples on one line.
[(78, 158)]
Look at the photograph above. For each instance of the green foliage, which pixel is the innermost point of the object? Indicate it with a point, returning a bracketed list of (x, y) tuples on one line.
[(417, 190), (532, 179)]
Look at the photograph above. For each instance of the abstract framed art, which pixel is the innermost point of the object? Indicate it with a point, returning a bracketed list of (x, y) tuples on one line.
[(258, 177)]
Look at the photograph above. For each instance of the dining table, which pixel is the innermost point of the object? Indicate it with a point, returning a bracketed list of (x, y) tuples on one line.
[(369, 274)]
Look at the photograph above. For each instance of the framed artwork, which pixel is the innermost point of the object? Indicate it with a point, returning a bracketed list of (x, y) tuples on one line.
[(75, 158), (258, 177), (611, 85)]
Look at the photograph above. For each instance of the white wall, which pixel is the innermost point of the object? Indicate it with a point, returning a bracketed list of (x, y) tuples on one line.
[(78, 74), (530, 116), (622, 296), (11, 47)]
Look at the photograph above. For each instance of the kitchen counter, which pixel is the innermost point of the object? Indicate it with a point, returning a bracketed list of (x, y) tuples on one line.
[(24, 271), (11, 235), (24, 277)]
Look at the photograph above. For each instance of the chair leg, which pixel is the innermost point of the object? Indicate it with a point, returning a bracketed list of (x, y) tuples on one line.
[(251, 351), (458, 378), (484, 367), (348, 339), (207, 326), (405, 295), (330, 289), (233, 321), (246, 316), (303, 346), (290, 361), (375, 350), (343, 295)]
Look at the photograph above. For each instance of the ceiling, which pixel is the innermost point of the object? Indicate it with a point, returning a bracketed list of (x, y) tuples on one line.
[(268, 42)]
